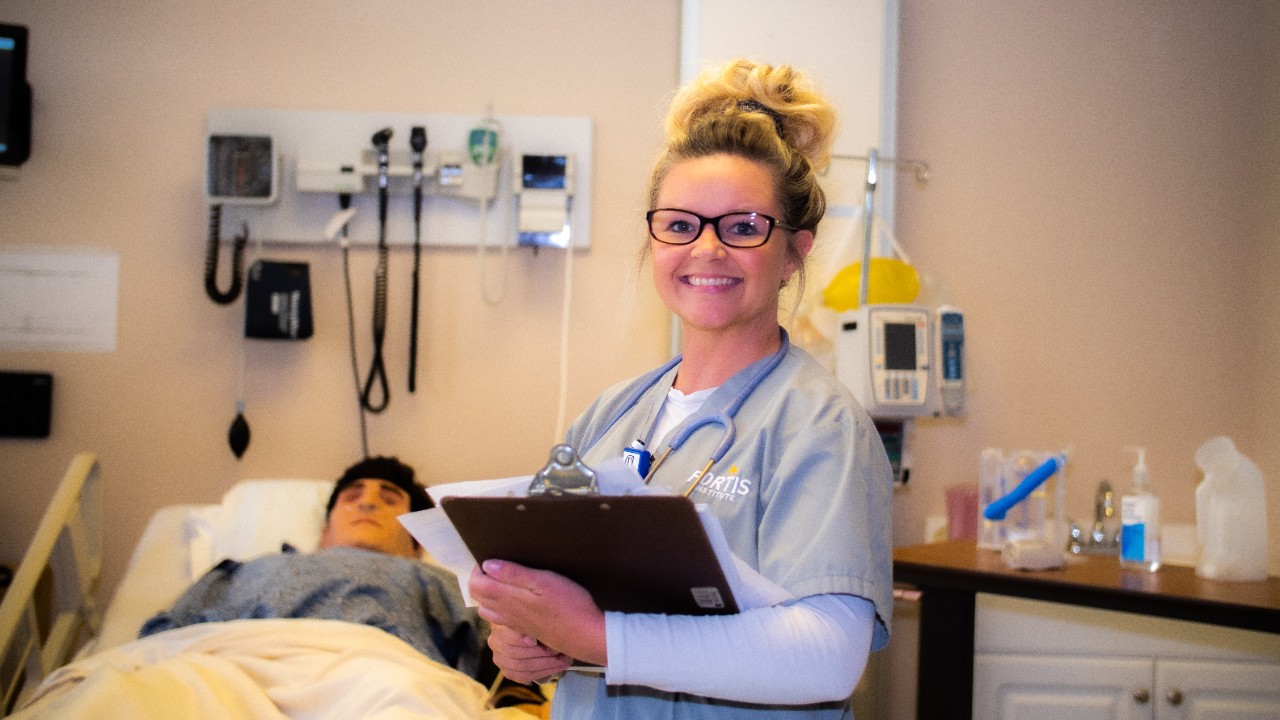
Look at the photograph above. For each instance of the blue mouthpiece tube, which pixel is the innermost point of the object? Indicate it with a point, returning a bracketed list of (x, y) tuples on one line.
[(999, 508)]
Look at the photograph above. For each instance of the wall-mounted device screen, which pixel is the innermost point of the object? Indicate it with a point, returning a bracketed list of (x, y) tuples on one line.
[(26, 402), (15, 96), (543, 172), (899, 346), (241, 169)]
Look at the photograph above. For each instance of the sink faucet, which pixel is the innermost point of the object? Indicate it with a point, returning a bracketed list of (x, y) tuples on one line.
[(1104, 537)]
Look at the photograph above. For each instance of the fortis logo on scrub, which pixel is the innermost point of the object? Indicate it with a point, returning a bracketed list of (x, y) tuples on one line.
[(724, 487)]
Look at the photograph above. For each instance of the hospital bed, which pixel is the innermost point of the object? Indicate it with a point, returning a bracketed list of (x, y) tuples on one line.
[(67, 641), (40, 631)]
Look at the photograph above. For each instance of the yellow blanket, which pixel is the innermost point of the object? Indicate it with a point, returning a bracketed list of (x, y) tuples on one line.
[(301, 669)]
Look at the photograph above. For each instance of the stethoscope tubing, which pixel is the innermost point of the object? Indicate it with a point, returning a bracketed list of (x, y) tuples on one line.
[(723, 417)]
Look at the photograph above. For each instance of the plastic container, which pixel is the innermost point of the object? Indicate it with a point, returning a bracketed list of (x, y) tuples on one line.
[(992, 486), (1026, 520), (1140, 520), (962, 511), (1021, 498), (1231, 514)]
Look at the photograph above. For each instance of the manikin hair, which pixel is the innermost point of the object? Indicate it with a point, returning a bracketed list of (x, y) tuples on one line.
[(383, 468)]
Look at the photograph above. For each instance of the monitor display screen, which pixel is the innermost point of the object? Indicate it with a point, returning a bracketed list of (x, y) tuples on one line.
[(7, 45), (15, 96), (545, 172), (899, 346)]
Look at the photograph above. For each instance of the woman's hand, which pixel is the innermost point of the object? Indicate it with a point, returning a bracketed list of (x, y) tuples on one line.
[(523, 658), (546, 608)]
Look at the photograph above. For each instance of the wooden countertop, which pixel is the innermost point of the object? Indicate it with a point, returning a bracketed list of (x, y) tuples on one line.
[(1093, 581)]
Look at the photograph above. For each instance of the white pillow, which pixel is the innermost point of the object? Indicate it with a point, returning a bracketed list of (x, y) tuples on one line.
[(254, 519)]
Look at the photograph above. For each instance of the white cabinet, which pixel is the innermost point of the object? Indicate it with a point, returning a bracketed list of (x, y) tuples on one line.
[(1046, 661), (1044, 687), (1186, 690)]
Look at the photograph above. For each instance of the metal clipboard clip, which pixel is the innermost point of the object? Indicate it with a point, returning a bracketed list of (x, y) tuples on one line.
[(564, 474)]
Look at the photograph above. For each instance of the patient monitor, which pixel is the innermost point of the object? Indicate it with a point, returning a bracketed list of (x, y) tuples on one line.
[(902, 361)]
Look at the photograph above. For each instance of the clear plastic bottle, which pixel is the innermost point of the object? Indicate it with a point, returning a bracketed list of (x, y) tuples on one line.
[(1140, 520), (992, 486), (1231, 514), (1026, 520)]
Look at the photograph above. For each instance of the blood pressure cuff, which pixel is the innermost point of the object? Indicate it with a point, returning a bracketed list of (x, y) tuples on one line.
[(278, 301)]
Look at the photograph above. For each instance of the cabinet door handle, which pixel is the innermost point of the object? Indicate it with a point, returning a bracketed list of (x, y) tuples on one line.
[(1141, 696), (1174, 697)]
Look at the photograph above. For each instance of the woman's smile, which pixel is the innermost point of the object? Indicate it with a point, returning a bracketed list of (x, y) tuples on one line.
[(711, 282)]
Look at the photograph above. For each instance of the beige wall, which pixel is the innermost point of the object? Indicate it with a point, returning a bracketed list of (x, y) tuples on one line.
[(1265, 404), (121, 94), (1103, 205)]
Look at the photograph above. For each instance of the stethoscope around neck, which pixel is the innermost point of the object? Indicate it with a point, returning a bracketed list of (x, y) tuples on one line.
[(722, 417)]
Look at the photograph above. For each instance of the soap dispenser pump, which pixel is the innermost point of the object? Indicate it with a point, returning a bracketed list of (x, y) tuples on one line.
[(1140, 520)]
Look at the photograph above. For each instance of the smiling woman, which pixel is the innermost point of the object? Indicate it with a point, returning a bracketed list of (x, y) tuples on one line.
[(734, 204)]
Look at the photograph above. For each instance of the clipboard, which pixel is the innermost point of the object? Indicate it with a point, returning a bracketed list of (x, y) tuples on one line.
[(633, 553)]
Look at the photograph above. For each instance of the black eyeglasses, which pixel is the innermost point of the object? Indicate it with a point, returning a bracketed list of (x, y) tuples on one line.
[(737, 229)]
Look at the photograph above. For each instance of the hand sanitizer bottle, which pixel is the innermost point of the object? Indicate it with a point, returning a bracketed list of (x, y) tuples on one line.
[(1140, 521)]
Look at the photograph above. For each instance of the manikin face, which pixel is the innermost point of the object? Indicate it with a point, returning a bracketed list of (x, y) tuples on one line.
[(711, 286), (364, 516)]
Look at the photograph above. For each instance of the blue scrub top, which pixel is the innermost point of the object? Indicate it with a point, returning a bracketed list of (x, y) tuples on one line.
[(804, 496)]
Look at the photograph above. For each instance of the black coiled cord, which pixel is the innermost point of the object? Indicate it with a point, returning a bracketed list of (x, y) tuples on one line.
[(211, 260), (378, 370)]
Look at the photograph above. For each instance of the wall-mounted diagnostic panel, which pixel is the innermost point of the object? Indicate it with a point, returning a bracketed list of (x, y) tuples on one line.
[(481, 178)]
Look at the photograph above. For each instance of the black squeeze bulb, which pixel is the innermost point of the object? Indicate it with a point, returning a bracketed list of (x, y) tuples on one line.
[(238, 435)]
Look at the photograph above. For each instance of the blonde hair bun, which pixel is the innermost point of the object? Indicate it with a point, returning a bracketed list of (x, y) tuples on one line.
[(801, 116)]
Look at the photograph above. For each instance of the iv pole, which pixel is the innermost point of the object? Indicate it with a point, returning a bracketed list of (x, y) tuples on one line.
[(869, 207), (887, 432)]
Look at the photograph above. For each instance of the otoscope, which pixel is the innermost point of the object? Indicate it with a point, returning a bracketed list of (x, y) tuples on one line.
[(417, 141)]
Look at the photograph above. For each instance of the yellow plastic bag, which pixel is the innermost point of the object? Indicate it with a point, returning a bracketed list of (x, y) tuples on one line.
[(889, 281)]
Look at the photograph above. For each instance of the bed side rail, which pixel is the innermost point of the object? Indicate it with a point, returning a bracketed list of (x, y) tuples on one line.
[(35, 640)]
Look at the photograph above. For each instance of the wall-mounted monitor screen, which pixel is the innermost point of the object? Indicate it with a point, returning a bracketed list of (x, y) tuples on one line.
[(15, 96)]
